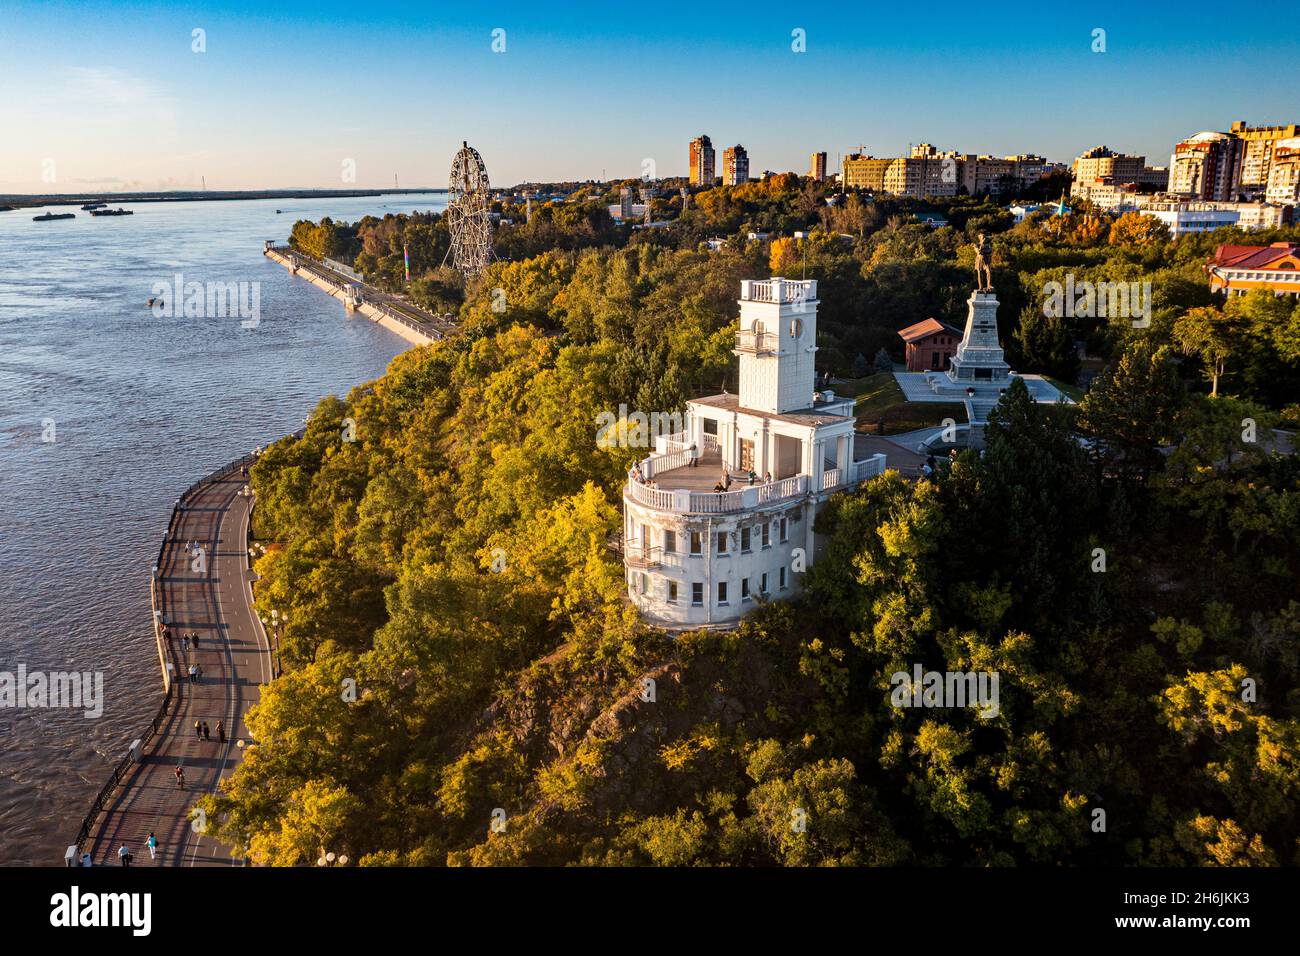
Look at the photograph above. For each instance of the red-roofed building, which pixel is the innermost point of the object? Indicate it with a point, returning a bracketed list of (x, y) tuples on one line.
[(930, 345), (1236, 270)]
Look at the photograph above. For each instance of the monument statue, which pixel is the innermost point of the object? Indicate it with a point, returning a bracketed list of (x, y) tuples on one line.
[(983, 264)]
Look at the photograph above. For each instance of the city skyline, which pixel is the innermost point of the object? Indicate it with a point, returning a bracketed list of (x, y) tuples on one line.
[(124, 101)]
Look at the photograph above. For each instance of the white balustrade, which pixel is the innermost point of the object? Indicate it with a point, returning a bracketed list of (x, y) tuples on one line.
[(708, 502)]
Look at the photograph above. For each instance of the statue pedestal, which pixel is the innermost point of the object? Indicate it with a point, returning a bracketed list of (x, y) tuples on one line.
[(979, 356)]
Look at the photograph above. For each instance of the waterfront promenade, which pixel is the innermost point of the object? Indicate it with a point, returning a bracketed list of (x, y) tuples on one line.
[(393, 312), (202, 586)]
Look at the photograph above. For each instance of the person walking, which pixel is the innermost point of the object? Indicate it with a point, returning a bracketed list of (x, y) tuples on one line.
[(194, 639), (221, 731), (124, 855), (185, 642), (207, 734), (198, 730), (198, 672), (152, 844), (180, 777), (193, 673)]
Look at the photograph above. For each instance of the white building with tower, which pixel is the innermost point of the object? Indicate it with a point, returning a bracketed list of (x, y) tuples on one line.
[(720, 516)]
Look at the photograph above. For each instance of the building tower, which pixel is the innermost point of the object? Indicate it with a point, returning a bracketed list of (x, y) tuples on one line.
[(721, 514), (776, 344), (735, 166), (702, 158), (817, 169)]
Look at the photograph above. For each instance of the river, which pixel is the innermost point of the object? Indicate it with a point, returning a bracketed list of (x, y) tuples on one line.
[(107, 413)]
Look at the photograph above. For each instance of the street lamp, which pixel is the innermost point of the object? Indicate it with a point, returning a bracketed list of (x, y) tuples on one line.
[(277, 621)]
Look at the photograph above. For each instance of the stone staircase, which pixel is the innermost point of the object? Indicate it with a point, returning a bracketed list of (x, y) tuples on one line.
[(979, 407)]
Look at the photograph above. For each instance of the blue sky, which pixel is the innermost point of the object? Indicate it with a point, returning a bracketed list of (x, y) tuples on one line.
[(100, 96)]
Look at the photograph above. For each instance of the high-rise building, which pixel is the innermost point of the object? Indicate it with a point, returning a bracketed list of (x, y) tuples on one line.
[(1256, 149), (1284, 172), (702, 161), (1203, 167), (1227, 166), (735, 165), (817, 170)]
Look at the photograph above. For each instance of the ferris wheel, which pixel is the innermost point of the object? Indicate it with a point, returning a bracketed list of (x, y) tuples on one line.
[(467, 212)]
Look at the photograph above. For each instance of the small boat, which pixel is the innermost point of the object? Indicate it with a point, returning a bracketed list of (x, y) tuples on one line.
[(93, 205), (111, 212), (49, 216)]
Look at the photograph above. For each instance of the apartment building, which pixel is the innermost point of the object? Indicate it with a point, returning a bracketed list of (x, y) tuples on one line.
[(1256, 152), (862, 171), (1284, 173), (1101, 163), (735, 165), (1203, 167), (817, 167), (702, 161)]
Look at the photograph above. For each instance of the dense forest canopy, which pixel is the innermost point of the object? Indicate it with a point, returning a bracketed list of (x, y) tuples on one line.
[(465, 682)]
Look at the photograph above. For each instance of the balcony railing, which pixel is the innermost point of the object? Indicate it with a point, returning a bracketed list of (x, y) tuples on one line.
[(831, 478), (658, 464), (645, 558), (710, 502), (778, 290), (862, 470), (785, 488), (756, 343)]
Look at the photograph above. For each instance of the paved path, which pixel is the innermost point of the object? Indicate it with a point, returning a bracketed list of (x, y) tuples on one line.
[(434, 326), (215, 604)]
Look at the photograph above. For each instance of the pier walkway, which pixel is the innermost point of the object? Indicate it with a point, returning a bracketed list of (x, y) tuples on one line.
[(395, 311), (202, 586)]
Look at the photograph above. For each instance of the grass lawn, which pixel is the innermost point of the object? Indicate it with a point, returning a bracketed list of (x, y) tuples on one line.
[(879, 399), (1074, 391)]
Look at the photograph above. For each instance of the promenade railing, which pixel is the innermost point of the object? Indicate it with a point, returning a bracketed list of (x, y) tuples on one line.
[(435, 327), (166, 655)]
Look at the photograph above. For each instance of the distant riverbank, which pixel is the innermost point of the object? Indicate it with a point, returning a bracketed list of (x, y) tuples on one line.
[(11, 202)]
